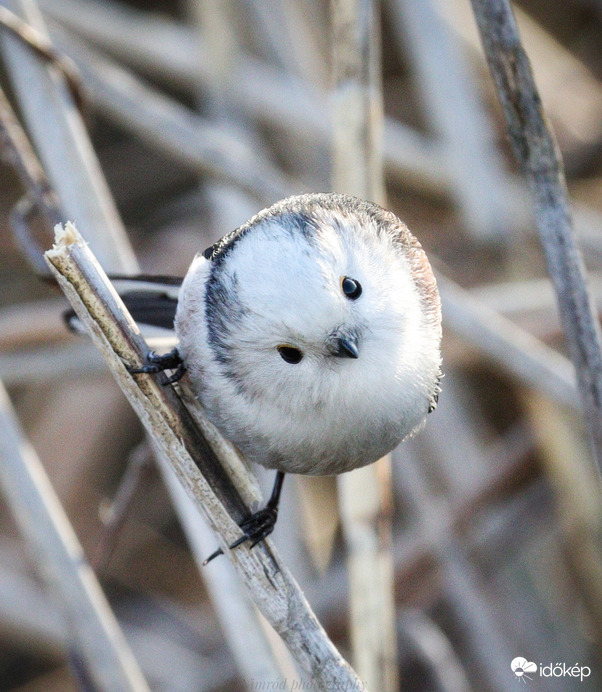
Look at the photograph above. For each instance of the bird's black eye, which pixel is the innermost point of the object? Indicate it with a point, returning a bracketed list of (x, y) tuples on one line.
[(351, 288), (290, 354)]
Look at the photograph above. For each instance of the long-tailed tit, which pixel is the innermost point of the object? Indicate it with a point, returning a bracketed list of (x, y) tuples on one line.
[(311, 336)]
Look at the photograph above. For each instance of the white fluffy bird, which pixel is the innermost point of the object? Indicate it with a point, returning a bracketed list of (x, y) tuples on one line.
[(311, 336)]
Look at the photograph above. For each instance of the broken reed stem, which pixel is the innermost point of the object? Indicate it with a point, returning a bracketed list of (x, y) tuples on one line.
[(536, 150), (174, 431)]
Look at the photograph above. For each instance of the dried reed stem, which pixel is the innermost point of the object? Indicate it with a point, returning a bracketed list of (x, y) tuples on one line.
[(176, 130), (511, 347), (174, 430), (365, 494), (53, 543), (536, 150), (17, 149), (451, 105), (59, 135), (164, 48)]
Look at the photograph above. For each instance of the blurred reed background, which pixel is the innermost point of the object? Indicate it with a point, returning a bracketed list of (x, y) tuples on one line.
[(201, 112)]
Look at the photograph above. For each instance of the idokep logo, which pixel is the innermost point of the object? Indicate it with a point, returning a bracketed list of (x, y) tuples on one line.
[(521, 668), (526, 670)]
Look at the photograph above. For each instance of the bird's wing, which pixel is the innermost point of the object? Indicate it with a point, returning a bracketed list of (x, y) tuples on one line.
[(151, 300)]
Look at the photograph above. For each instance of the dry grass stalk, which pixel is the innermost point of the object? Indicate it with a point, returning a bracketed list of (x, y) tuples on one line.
[(536, 150), (365, 494), (173, 429), (478, 180), (28, 611), (566, 463), (18, 150), (515, 350), (168, 49), (249, 641), (53, 120), (176, 130), (569, 89), (52, 541)]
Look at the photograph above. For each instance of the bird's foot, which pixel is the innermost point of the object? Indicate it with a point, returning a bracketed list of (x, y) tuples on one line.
[(257, 527), (260, 524), (167, 361)]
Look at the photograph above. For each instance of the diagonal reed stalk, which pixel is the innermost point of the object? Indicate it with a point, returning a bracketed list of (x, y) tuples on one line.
[(175, 431), (537, 153)]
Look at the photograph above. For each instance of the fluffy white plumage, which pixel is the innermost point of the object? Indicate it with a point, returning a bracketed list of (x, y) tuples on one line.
[(277, 281)]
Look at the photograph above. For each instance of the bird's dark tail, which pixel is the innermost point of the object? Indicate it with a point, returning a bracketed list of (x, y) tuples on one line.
[(151, 300)]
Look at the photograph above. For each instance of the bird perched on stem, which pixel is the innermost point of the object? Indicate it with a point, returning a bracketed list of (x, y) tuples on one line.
[(311, 336)]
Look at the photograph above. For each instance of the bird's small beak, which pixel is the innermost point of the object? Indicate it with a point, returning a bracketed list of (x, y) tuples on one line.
[(346, 347)]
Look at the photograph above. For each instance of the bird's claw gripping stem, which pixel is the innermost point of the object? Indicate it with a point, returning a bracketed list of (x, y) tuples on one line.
[(257, 527), (260, 524), (167, 361)]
